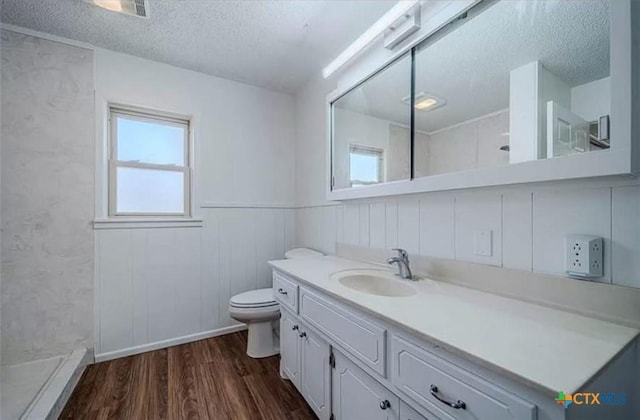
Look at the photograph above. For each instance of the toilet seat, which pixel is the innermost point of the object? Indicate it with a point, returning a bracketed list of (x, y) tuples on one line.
[(253, 299)]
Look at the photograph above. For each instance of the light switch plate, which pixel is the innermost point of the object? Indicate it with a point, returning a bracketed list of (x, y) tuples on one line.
[(483, 243)]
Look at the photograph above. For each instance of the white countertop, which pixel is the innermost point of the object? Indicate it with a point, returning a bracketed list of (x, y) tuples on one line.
[(542, 347)]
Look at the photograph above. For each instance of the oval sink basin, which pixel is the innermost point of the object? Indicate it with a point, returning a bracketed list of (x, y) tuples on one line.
[(374, 282)]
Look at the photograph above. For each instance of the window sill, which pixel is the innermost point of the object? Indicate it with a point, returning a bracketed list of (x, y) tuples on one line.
[(146, 223)]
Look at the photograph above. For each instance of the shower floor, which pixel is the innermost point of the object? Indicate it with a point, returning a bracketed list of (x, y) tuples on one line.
[(22, 383), (38, 390)]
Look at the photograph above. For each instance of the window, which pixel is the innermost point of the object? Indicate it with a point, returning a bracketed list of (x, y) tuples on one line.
[(149, 172), (366, 165)]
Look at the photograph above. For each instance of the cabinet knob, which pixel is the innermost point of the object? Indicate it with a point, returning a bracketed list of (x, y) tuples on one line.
[(303, 334), (281, 291), (295, 327), (384, 404)]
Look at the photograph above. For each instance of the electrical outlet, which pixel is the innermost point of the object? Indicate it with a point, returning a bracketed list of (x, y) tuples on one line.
[(584, 256)]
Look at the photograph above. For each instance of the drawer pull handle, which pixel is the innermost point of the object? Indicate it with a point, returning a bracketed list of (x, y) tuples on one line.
[(384, 404), (303, 334), (295, 327), (457, 405), (282, 292)]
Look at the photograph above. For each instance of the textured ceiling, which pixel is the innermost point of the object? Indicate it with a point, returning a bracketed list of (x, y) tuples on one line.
[(469, 67), (274, 44)]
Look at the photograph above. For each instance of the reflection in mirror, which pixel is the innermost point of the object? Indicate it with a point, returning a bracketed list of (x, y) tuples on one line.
[(513, 81), (371, 135)]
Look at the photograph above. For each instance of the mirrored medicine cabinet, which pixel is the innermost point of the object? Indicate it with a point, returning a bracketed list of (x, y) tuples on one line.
[(507, 92)]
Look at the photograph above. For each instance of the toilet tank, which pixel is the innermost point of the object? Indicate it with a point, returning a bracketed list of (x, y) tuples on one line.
[(302, 253)]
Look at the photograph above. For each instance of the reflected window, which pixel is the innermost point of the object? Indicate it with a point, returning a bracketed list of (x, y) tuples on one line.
[(366, 165), (371, 132)]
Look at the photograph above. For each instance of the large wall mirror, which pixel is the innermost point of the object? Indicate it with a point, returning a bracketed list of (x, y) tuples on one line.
[(517, 81), (505, 83)]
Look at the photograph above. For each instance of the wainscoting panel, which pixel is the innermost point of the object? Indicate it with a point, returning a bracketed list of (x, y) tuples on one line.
[(528, 225), (161, 286)]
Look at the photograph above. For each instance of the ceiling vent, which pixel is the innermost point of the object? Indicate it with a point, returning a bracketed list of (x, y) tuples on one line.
[(139, 8)]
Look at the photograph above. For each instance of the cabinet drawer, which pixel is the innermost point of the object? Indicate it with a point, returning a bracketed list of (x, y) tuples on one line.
[(427, 378), (347, 328), (285, 291)]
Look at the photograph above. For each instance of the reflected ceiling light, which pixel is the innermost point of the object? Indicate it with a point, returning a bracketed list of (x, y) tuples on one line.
[(113, 5), (397, 11), (425, 101), (137, 8)]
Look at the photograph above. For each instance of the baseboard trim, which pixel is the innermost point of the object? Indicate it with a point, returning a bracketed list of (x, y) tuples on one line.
[(101, 357)]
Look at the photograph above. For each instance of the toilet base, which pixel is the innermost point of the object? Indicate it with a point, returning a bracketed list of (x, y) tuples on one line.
[(261, 341)]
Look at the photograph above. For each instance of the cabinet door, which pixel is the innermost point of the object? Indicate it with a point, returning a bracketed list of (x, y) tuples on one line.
[(315, 373), (408, 413), (356, 395), (290, 348)]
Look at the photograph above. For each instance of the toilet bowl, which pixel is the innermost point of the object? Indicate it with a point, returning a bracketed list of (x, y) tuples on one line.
[(258, 309)]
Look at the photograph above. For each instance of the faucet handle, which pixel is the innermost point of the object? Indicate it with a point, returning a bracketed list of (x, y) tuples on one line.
[(402, 253)]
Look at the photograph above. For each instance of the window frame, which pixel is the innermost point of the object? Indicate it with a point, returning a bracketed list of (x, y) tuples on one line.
[(367, 151), (113, 163)]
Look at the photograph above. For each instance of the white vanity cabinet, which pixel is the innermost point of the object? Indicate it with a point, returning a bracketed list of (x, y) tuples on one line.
[(350, 364)]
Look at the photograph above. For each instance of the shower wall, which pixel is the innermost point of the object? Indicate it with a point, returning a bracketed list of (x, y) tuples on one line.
[(47, 195), (470, 145)]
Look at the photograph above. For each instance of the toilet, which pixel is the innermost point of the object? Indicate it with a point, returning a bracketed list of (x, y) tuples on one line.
[(258, 309)]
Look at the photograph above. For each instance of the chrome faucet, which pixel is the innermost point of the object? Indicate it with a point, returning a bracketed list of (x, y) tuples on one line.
[(402, 259)]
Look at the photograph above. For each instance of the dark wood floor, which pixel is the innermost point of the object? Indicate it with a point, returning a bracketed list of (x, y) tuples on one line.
[(208, 379)]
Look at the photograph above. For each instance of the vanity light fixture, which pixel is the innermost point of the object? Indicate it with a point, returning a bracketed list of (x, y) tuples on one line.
[(425, 101), (399, 10), (402, 28), (139, 8)]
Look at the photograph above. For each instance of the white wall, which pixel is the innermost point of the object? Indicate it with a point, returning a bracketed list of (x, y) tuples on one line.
[(592, 100), (468, 145), (47, 198), (528, 222), (361, 129), (310, 145), (244, 134), (164, 285)]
